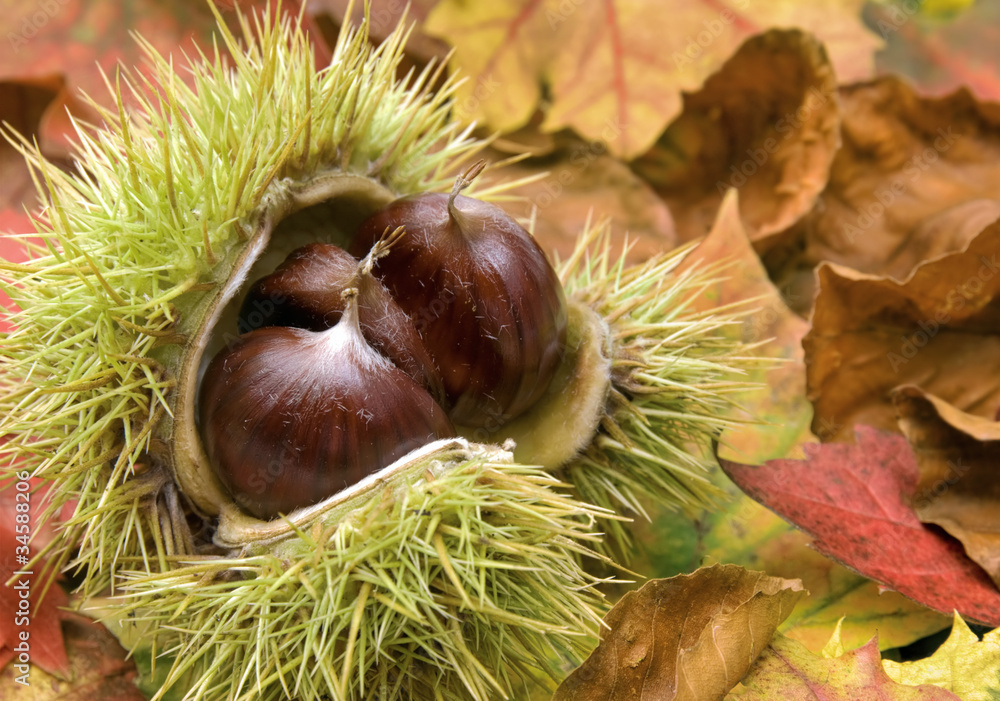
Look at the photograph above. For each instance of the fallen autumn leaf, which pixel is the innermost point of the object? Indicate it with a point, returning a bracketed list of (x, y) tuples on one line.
[(690, 637), (854, 500)]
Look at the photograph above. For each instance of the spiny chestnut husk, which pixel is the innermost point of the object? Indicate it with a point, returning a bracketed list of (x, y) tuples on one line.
[(306, 291), (455, 572), (485, 300), (292, 416)]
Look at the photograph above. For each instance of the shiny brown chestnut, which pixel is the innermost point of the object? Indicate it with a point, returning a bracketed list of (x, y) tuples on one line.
[(482, 294), (291, 416), (306, 291)]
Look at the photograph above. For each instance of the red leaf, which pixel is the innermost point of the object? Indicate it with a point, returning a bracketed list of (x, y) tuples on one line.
[(40, 618), (99, 669), (854, 500)]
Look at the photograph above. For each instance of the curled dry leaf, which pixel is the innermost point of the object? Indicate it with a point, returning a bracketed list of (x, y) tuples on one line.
[(637, 57), (786, 670), (959, 489), (689, 637), (766, 123), (940, 330), (581, 181), (914, 178), (855, 501), (964, 665)]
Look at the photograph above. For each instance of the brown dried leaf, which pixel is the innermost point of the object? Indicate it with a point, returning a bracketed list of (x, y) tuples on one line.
[(766, 123), (748, 534), (690, 637), (915, 178), (959, 488), (939, 330)]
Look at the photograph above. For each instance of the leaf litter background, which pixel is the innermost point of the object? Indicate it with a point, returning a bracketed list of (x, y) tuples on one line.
[(847, 155)]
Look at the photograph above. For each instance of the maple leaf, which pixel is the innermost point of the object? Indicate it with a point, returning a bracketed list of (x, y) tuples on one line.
[(689, 637), (854, 500), (787, 670), (963, 664), (938, 330), (614, 70)]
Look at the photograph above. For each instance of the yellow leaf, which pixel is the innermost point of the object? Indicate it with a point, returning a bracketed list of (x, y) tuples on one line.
[(786, 670), (615, 69), (963, 665), (834, 648)]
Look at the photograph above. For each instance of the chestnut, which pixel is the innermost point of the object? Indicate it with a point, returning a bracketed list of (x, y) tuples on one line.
[(482, 294), (306, 291), (291, 416)]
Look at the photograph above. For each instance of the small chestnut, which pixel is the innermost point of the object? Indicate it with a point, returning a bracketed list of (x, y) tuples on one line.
[(483, 296), (291, 416)]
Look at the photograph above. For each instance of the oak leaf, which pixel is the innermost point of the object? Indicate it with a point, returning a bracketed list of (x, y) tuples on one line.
[(855, 501), (690, 637), (615, 69)]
